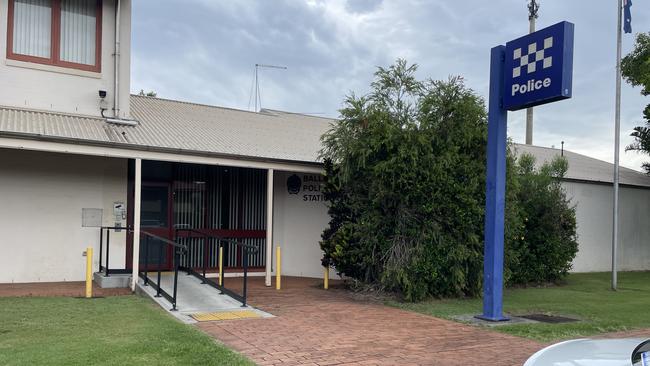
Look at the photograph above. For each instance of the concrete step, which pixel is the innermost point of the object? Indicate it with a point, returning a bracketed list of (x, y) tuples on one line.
[(113, 281)]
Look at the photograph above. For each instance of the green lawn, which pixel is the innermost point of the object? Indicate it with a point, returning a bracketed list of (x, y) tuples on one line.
[(123, 330), (585, 296)]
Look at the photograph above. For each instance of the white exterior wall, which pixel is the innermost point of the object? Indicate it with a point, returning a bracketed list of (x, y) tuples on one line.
[(41, 196), (297, 226), (594, 218), (50, 88)]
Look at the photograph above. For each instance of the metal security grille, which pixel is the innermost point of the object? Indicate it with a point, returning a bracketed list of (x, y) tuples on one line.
[(229, 202)]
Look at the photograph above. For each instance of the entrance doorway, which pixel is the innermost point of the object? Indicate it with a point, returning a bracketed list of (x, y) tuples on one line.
[(155, 218), (224, 202)]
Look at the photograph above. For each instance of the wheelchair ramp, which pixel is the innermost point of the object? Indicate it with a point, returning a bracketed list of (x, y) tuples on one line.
[(199, 302)]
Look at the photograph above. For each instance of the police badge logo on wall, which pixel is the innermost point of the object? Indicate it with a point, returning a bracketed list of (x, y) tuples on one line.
[(293, 184)]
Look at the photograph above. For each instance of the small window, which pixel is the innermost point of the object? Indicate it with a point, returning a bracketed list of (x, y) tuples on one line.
[(32, 30), (64, 33)]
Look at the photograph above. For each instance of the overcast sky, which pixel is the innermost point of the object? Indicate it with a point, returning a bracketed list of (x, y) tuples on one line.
[(204, 51)]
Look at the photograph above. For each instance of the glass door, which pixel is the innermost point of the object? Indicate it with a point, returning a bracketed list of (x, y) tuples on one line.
[(155, 219)]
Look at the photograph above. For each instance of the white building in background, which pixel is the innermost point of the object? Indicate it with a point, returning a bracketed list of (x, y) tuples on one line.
[(78, 152), (588, 184)]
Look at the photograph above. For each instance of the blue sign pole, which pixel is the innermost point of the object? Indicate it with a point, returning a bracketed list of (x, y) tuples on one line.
[(495, 191), (528, 71)]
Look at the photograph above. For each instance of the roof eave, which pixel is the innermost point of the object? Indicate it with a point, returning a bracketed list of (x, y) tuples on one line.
[(134, 147)]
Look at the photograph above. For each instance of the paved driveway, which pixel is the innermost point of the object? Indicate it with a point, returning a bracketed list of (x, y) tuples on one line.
[(318, 327)]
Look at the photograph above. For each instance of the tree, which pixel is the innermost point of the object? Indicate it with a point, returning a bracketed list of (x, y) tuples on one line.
[(150, 93), (635, 68), (405, 184), (405, 180)]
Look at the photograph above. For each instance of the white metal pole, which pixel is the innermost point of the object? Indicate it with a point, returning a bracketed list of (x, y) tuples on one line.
[(269, 225), (116, 75), (137, 194), (617, 137)]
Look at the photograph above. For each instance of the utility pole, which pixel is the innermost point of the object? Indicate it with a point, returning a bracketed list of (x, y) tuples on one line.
[(533, 9)]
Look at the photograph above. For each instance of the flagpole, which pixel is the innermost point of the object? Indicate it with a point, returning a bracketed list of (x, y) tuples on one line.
[(617, 138)]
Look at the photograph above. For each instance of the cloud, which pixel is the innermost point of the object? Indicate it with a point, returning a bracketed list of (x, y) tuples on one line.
[(205, 51)]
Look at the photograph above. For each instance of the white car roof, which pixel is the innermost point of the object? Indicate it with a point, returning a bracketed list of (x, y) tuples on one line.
[(587, 352)]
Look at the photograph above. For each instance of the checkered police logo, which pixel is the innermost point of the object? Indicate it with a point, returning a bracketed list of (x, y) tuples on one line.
[(533, 59), (537, 67)]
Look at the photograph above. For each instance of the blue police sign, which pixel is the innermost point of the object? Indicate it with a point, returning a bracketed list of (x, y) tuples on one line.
[(531, 70), (538, 67)]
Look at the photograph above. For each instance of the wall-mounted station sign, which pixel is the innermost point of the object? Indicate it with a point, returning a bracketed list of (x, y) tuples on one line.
[(307, 186), (538, 67)]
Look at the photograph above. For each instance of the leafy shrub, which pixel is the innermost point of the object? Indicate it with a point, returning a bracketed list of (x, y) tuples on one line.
[(405, 183), (549, 223)]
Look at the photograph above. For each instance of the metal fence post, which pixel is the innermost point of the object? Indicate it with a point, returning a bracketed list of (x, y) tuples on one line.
[(176, 259), (146, 260), (108, 243), (205, 258), (245, 253), (160, 251), (101, 242)]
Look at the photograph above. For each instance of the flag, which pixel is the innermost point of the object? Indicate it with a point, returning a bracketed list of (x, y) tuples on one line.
[(627, 16)]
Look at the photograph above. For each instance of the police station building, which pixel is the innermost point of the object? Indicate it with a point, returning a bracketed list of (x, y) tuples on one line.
[(85, 164), (78, 153)]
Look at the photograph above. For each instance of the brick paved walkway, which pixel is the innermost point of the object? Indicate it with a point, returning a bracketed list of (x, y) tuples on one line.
[(69, 289), (318, 327)]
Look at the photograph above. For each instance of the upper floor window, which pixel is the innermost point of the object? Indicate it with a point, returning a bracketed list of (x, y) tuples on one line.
[(64, 33)]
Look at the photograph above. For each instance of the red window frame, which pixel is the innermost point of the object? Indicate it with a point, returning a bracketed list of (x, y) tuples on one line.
[(55, 49)]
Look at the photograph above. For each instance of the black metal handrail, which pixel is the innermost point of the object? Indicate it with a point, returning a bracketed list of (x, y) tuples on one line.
[(106, 268), (179, 249), (247, 249)]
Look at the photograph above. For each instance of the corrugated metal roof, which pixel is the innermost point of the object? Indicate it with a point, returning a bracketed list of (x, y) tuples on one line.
[(53, 125), (270, 134), (198, 127), (582, 167), (185, 126)]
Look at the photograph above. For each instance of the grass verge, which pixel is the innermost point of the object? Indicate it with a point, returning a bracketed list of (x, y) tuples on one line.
[(586, 296), (121, 330)]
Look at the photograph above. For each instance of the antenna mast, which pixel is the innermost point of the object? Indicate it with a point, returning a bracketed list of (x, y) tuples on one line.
[(258, 96)]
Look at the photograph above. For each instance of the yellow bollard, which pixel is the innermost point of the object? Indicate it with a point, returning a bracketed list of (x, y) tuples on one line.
[(220, 266), (278, 268), (89, 272), (326, 278)]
